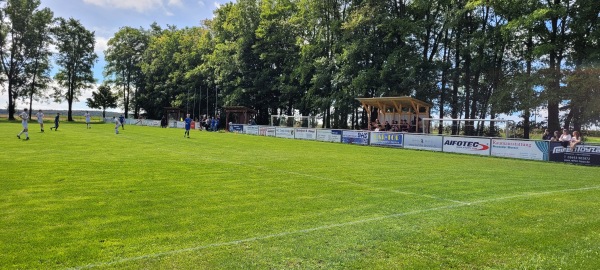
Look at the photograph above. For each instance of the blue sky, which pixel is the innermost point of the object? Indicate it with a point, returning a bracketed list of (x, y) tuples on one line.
[(105, 17)]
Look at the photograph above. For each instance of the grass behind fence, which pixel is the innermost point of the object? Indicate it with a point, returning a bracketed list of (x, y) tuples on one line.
[(150, 199)]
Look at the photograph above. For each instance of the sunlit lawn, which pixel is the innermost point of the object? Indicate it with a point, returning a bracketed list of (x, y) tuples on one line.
[(150, 199)]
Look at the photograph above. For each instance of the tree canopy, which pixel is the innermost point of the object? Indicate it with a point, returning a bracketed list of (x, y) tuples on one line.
[(470, 58)]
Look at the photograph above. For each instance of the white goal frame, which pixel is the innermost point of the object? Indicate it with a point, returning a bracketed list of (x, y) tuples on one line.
[(509, 124), (296, 121)]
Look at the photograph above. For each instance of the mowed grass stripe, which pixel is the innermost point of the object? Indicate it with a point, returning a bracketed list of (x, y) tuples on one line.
[(332, 226), (149, 191)]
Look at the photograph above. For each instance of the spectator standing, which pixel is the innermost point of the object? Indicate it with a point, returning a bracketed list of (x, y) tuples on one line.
[(40, 119), (56, 122), (24, 117), (163, 122)]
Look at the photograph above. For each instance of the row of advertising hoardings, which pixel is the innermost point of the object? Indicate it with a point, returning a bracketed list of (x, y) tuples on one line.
[(498, 147), (582, 154)]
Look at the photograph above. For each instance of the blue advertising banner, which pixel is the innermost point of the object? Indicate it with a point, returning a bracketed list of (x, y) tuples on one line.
[(391, 139), (355, 137), (582, 154), (236, 128)]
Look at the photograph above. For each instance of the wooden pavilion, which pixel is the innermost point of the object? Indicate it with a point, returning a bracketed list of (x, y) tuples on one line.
[(396, 109), (239, 115)]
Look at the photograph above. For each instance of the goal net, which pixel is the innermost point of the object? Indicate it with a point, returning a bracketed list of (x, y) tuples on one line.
[(470, 127)]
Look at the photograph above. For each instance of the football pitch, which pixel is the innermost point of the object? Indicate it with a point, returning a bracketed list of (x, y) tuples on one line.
[(148, 198)]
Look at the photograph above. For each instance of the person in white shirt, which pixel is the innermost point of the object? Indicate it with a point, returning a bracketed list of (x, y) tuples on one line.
[(575, 140), (24, 117), (40, 119), (565, 138), (117, 124), (87, 119)]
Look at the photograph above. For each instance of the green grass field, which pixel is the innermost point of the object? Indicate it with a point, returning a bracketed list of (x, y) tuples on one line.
[(148, 198)]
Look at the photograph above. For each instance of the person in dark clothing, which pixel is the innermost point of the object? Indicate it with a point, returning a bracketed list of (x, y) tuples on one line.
[(122, 121), (56, 121)]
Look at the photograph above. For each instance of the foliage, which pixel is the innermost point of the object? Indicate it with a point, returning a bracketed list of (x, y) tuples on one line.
[(124, 57), (76, 57), (23, 41), (102, 99)]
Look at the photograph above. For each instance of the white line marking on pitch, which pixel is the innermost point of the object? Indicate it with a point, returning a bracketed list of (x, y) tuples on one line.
[(330, 226)]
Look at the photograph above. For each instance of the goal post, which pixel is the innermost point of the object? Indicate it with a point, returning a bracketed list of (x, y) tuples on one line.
[(474, 127), (294, 121)]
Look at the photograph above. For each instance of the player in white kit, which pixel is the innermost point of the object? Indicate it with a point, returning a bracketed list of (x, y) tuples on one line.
[(87, 119), (40, 119), (24, 117)]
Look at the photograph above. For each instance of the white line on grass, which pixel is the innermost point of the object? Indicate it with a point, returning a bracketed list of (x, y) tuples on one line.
[(330, 226)]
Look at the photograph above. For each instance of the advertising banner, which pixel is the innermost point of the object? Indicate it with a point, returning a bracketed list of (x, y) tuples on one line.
[(466, 145), (534, 150), (287, 133), (266, 131), (252, 130), (391, 139), (355, 137), (306, 134), (237, 128), (423, 142), (583, 154), (152, 123), (327, 135), (180, 124)]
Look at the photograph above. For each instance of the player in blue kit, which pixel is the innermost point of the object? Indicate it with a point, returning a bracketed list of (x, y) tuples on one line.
[(188, 124), (56, 121)]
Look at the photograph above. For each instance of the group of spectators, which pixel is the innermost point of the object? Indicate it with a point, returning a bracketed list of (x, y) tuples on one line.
[(566, 139), (396, 126), (206, 123)]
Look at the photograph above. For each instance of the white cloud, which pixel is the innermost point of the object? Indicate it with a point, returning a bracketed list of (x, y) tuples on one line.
[(177, 3), (217, 5), (138, 5), (101, 45), (201, 3)]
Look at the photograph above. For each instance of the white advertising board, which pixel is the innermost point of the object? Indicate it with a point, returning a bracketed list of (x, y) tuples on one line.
[(355, 137), (467, 145), (287, 133), (535, 150), (252, 130), (423, 142), (152, 123), (266, 131), (306, 134), (327, 135)]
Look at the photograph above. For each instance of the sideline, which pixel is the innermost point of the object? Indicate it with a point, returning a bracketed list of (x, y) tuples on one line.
[(331, 226)]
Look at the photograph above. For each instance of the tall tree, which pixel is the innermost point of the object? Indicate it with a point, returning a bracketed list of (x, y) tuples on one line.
[(76, 57), (124, 58), (15, 23), (102, 99), (37, 67)]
